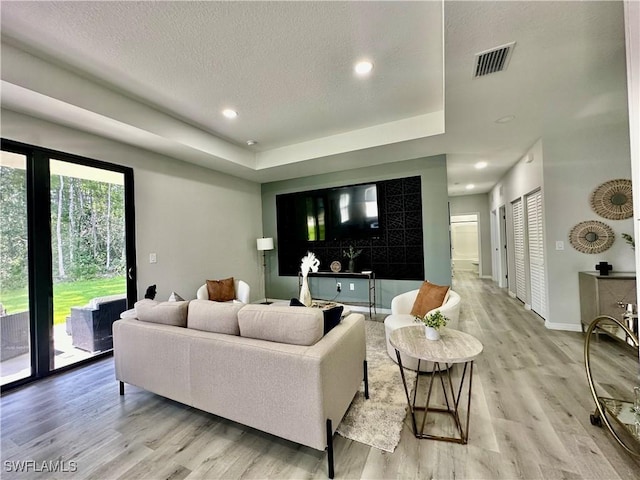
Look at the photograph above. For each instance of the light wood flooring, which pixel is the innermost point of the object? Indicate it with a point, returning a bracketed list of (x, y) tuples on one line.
[(529, 419)]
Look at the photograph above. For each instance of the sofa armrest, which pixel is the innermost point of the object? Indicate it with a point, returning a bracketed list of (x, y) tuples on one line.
[(341, 353)]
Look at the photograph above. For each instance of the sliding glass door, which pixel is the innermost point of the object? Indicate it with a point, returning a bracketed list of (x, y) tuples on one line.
[(88, 258), (68, 257), (15, 352)]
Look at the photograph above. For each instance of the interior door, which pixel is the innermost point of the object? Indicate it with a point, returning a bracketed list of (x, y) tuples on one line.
[(518, 250), (536, 253)]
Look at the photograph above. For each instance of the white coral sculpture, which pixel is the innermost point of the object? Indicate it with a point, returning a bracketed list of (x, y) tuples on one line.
[(309, 263)]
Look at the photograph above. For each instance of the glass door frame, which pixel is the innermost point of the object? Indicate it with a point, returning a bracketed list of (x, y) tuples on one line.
[(40, 255)]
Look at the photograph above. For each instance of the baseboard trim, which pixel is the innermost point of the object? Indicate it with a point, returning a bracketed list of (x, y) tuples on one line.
[(487, 277), (365, 309), (567, 327), (527, 306), (511, 294)]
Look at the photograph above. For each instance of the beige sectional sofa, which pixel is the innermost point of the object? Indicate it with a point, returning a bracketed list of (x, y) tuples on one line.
[(267, 367)]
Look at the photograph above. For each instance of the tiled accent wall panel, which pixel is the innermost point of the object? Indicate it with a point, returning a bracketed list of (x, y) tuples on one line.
[(397, 253)]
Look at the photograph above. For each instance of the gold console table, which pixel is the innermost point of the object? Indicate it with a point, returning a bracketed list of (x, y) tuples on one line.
[(609, 411)]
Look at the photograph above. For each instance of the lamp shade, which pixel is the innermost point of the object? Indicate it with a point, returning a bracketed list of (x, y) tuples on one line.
[(265, 243)]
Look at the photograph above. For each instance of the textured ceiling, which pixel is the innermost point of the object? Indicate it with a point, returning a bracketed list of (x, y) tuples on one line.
[(158, 74)]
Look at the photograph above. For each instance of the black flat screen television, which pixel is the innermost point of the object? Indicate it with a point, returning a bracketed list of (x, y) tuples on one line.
[(341, 213)]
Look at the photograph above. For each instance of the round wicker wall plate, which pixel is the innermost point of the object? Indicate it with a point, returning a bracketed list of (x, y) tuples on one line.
[(336, 266), (591, 237), (613, 199)]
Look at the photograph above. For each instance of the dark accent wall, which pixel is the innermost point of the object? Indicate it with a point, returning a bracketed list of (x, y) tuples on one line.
[(436, 260), (396, 254)]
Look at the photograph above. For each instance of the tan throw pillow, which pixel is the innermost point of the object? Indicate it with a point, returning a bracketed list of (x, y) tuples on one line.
[(429, 297), (221, 290)]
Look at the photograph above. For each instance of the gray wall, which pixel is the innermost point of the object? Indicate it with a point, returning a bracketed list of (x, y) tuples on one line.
[(202, 224), (574, 165), (479, 204), (433, 171), (568, 168)]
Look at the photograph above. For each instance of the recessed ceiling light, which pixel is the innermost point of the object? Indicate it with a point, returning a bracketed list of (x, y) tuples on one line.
[(363, 68), (227, 112), (251, 142), (506, 119), (480, 165), (471, 186)]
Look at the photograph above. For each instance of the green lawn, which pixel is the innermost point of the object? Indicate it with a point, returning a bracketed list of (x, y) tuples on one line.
[(66, 295)]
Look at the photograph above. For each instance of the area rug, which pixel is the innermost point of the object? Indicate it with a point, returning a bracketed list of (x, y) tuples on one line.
[(378, 421)]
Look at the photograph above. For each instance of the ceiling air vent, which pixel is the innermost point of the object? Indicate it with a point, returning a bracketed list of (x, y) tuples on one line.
[(494, 60)]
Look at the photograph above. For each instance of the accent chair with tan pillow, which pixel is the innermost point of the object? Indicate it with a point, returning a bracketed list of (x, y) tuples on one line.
[(430, 296), (221, 290), (241, 288), (402, 307)]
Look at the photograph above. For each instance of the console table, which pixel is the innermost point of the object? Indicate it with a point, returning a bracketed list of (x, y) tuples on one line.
[(369, 276), (605, 295)]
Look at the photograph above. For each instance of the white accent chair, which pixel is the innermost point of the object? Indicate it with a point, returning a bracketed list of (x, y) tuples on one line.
[(401, 306), (243, 292)]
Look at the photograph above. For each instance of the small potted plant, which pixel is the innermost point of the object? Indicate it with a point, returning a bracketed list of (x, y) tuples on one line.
[(352, 254), (432, 323)]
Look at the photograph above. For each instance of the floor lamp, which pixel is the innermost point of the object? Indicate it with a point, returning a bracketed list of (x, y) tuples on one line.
[(265, 244)]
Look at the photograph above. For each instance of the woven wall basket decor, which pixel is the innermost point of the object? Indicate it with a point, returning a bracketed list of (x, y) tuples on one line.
[(613, 199), (591, 236)]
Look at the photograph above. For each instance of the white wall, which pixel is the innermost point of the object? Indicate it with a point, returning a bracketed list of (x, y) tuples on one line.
[(632, 41), (568, 168), (202, 224), (574, 166), (464, 245)]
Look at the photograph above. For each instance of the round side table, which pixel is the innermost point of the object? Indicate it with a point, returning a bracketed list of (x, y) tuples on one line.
[(454, 347)]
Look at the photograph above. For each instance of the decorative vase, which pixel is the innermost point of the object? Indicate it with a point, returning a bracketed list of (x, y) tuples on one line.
[(431, 333), (352, 265), (305, 294)]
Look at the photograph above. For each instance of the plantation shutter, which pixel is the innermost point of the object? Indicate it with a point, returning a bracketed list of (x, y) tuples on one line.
[(536, 253), (518, 247)]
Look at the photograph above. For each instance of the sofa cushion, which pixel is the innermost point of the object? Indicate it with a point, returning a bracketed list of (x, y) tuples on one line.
[(429, 297), (167, 313), (332, 316), (221, 290), (292, 325), (214, 316)]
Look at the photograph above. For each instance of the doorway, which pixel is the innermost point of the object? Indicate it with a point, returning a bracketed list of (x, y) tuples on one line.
[(465, 243)]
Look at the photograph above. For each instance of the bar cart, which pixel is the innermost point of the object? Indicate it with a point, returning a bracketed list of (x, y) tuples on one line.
[(625, 413)]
